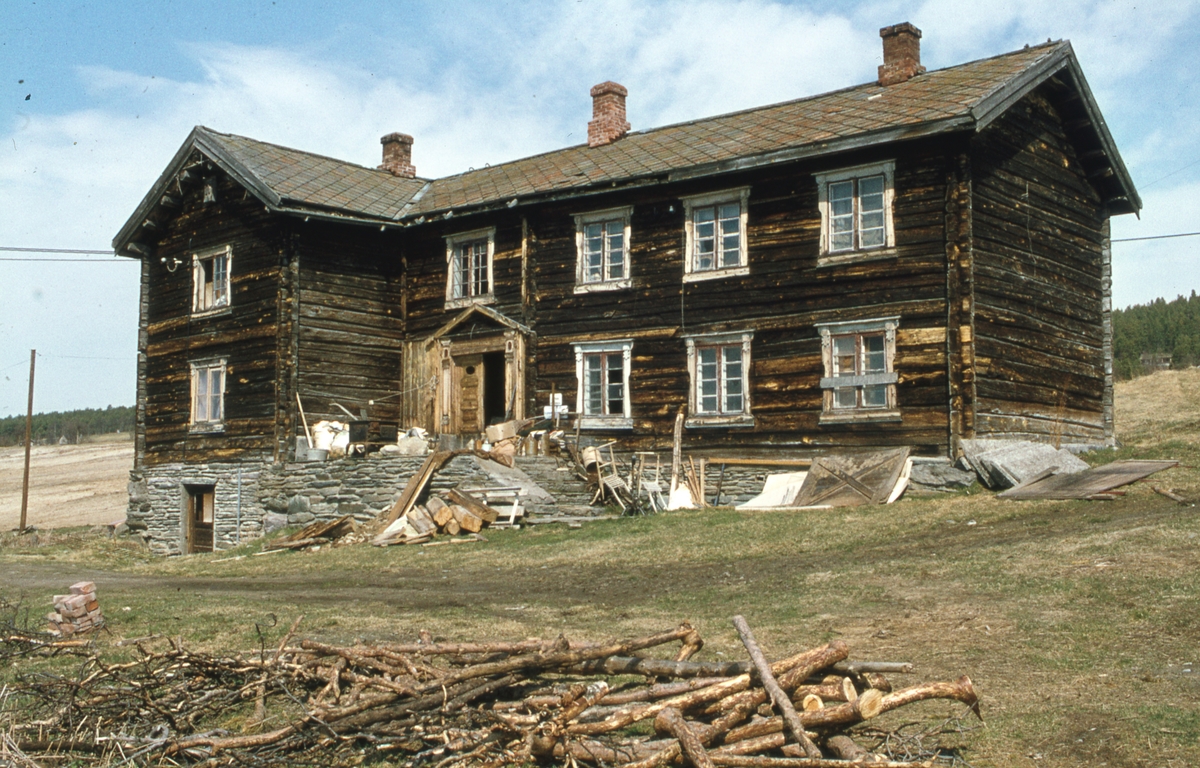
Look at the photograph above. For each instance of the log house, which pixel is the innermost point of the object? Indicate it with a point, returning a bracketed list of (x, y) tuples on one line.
[(912, 261)]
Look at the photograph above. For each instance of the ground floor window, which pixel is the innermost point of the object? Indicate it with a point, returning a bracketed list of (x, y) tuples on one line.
[(208, 395), (719, 373), (860, 380), (602, 372)]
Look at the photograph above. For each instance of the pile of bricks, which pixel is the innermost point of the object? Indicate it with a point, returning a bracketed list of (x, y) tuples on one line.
[(76, 612)]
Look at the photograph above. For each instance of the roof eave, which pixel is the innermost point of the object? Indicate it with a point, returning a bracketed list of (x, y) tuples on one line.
[(1061, 58), (199, 139)]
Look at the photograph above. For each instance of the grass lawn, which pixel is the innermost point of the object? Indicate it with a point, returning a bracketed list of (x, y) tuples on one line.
[(1077, 621)]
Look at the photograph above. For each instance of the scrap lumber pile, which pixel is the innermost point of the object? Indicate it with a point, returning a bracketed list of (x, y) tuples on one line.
[(458, 513), (408, 522), (77, 612), (472, 703), (316, 534)]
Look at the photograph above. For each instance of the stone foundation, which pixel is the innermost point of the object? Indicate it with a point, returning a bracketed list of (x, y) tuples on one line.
[(253, 498)]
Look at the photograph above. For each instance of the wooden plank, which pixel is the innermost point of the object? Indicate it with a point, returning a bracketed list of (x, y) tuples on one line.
[(417, 483), (477, 508), (1091, 483), (851, 480)]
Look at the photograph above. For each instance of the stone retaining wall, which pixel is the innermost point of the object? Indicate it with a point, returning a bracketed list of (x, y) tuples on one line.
[(271, 496)]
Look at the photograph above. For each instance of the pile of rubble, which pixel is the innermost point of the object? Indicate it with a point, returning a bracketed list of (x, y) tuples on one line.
[(77, 612)]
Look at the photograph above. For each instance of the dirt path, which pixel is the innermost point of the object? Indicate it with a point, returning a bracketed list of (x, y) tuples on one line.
[(68, 484)]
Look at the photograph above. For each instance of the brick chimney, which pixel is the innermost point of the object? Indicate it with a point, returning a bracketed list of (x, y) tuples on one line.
[(397, 155), (608, 114), (901, 53)]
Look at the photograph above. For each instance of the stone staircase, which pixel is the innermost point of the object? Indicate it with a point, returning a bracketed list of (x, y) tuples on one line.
[(571, 494)]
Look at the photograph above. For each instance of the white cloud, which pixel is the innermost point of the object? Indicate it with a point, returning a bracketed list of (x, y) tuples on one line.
[(493, 85)]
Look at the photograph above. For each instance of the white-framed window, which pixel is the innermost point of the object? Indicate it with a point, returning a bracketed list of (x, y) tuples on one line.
[(715, 235), (602, 248), (602, 371), (860, 380), (719, 379), (208, 395), (856, 210), (210, 279), (469, 267)]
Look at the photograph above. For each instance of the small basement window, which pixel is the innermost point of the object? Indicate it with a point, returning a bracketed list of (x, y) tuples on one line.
[(860, 381), (210, 279)]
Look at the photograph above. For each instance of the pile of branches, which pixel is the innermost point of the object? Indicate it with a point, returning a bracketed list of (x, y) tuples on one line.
[(304, 702)]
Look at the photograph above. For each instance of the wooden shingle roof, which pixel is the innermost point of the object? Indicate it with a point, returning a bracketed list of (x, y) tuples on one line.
[(961, 98)]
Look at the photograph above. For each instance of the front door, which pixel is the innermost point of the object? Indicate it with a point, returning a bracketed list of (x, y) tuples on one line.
[(480, 384)]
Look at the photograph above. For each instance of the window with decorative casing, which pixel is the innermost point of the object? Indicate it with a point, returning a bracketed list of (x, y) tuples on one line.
[(860, 380), (602, 371), (602, 248), (210, 279), (719, 375), (715, 235), (208, 395), (856, 210), (469, 268)]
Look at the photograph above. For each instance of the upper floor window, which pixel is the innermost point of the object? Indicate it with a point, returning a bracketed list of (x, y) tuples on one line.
[(856, 209), (602, 246), (602, 370), (715, 235), (719, 370), (210, 279), (469, 272), (208, 395), (859, 381)]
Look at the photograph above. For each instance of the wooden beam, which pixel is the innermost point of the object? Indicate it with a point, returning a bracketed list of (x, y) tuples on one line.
[(138, 248), (168, 201)]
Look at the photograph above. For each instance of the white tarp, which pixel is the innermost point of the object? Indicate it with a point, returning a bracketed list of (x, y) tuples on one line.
[(779, 491)]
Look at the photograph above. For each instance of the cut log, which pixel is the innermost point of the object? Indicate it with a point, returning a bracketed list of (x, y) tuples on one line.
[(721, 692), (477, 508), (443, 515), (779, 698), (844, 747), (418, 518), (452, 527), (812, 702), (466, 521), (961, 690), (671, 720)]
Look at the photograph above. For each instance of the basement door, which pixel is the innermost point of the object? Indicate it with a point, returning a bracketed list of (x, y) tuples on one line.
[(199, 518)]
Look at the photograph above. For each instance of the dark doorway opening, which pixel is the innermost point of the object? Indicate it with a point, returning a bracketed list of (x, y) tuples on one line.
[(495, 400), (200, 518)]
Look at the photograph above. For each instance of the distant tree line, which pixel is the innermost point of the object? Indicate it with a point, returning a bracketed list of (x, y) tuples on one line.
[(73, 425), (1145, 334)]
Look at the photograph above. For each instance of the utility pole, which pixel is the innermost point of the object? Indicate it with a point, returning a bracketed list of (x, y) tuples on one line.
[(28, 441)]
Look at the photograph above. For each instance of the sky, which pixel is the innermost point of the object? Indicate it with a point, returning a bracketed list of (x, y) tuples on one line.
[(98, 96)]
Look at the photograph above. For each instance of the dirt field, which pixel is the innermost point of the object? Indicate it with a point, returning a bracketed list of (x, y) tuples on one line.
[(69, 485)]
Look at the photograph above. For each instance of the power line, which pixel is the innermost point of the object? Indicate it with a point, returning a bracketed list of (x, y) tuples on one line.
[(55, 250), (1156, 237)]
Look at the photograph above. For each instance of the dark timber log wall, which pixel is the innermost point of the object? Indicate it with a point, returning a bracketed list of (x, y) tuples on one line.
[(349, 325), (245, 334), (782, 299), (1039, 230)]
